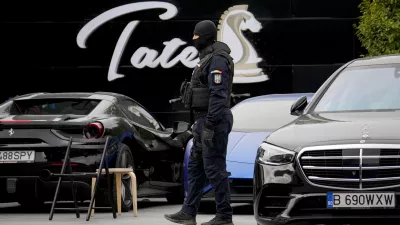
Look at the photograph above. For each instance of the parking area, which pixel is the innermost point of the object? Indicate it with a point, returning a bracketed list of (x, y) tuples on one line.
[(150, 212)]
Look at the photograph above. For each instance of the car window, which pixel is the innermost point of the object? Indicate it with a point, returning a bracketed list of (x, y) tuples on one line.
[(5, 107), (54, 106), (150, 118), (114, 111), (367, 88), (139, 115), (262, 115)]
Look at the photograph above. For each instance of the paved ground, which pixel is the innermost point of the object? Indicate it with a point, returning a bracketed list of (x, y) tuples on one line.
[(149, 213)]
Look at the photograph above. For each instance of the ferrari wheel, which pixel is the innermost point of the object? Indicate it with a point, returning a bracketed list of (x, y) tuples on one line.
[(125, 160), (177, 196), (31, 203)]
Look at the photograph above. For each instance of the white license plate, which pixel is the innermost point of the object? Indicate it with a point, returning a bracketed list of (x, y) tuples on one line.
[(17, 156), (361, 200)]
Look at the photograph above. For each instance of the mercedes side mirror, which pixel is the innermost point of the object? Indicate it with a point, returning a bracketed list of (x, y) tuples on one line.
[(180, 127), (298, 106)]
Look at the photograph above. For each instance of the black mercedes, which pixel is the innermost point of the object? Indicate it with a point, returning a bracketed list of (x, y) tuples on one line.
[(34, 133), (339, 161)]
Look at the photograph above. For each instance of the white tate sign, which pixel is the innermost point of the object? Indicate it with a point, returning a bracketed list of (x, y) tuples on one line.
[(231, 24)]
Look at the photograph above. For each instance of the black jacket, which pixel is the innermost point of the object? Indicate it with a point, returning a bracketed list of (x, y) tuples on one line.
[(218, 74)]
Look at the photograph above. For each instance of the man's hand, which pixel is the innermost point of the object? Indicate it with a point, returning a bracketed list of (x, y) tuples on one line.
[(208, 134)]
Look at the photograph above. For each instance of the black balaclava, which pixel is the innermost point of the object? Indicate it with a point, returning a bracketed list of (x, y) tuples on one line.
[(207, 32)]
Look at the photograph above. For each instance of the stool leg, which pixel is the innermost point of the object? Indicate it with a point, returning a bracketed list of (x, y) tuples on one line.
[(93, 184), (134, 194), (118, 183)]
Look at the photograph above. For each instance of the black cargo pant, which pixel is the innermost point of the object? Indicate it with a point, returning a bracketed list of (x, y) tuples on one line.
[(210, 163)]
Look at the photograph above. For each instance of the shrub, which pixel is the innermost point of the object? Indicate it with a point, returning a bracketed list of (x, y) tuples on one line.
[(379, 26)]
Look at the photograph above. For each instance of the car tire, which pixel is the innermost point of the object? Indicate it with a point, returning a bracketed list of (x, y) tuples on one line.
[(177, 196), (31, 203), (124, 160)]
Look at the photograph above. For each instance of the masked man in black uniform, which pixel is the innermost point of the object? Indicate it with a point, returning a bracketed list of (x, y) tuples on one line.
[(208, 96)]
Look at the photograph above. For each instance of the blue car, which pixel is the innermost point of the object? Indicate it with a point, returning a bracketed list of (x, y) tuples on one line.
[(254, 119)]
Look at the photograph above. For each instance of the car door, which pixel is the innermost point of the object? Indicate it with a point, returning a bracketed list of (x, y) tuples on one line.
[(145, 126), (5, 109), (167, 141)]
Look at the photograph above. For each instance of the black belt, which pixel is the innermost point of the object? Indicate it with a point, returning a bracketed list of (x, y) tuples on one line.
[(199, 153), (198, 113), (198, 144)]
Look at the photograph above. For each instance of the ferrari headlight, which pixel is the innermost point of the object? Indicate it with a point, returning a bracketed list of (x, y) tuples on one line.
[(272, 155)]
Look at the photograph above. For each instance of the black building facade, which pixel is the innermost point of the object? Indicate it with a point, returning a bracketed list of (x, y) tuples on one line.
[(143, 49)]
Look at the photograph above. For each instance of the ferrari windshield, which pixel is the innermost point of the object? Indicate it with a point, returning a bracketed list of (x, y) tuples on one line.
[(260, 116), (363, 89), (53, 106)]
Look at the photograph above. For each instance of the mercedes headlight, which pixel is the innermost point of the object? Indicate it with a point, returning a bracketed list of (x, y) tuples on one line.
[(272, 155)]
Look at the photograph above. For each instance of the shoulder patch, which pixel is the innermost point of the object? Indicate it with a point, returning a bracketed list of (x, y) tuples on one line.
[(217, 78), (216, 71)]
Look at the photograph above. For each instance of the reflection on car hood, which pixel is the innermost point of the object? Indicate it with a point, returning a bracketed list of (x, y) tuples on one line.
[(243, 146), (338, 128)]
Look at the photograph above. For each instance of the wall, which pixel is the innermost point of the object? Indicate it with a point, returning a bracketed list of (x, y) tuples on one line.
[(298, 44)]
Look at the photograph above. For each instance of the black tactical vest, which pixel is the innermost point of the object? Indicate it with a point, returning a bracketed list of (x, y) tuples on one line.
[(196, 93)]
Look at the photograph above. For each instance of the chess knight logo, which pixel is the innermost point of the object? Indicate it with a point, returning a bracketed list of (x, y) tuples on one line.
[(232, 23)]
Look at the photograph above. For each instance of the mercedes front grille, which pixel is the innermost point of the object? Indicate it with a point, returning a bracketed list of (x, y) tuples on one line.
[(352, 167)]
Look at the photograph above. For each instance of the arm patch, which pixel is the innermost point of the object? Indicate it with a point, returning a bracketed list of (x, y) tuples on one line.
[(216, 71), (217, 76)]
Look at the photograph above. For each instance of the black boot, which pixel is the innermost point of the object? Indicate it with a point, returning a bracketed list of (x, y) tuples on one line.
[(181, 218), (219, 221)]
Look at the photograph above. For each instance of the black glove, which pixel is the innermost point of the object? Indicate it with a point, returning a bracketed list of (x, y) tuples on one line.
[(208, 134)]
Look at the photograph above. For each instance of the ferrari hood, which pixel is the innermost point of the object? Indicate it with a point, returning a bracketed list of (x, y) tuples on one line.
[(242, 146), (47, 118)]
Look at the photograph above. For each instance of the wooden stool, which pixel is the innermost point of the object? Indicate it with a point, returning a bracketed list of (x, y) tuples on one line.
[(118, 172)]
